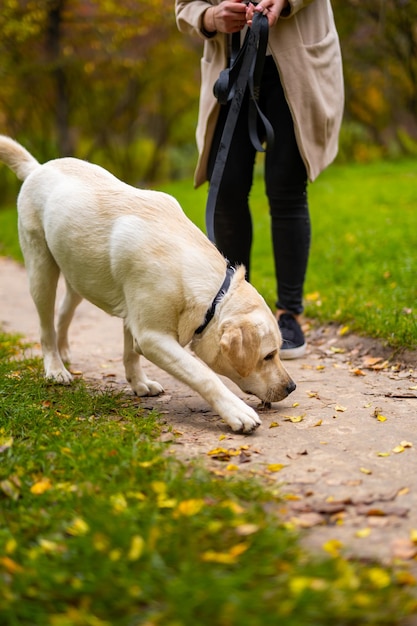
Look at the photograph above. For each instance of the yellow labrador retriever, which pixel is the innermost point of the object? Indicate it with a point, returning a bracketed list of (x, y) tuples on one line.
[(135, 254)]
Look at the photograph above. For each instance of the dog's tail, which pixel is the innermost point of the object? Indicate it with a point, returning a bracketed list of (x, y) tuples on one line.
[(17, 157)]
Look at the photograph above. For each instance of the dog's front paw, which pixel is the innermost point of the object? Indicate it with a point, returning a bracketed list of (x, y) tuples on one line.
[(245, 420), (61, 376), (148, 388)]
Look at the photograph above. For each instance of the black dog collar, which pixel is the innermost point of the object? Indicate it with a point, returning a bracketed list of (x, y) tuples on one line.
[(218, 297)]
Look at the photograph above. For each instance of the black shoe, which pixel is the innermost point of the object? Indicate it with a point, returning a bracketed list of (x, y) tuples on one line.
[(293, 342)]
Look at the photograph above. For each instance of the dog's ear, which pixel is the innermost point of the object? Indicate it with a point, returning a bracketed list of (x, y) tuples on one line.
[(240, 345)]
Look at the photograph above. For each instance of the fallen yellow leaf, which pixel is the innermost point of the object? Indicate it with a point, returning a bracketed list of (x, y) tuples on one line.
[(364, 470), (379, 577), (51, 547), (398, 449), (217, 451), (166, 503), (357, 372), (340, 408), (5, 443), (159, 487), (11, 488), (225, 558), (78, 527), (333, 547), (405, 578), (275, 467), (146, 464), (115, 554), (406, 444), (295, 419), (238, 549), (403, 548), (210, 556), (41, 486), (273, 425), (136, 548), (343, 331), (381, 366), (381, 418), (236, 508), (298, 584), (137, 495), (383, 453), (10, 545), (11, 566), (246, 529), (363, 532), (118, 502), (312, 297), (370, 361)]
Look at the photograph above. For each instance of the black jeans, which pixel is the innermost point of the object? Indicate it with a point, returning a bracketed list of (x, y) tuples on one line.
[(286, 189)]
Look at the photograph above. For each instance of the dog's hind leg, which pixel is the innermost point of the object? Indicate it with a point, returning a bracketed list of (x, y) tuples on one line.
[(43, 274), (135, 375), (67, 307)]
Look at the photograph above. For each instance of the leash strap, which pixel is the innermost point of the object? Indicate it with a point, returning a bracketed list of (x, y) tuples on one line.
[(244, 73)]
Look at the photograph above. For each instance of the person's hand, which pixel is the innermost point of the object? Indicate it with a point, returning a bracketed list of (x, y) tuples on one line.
[(226, 17), (270, 8)]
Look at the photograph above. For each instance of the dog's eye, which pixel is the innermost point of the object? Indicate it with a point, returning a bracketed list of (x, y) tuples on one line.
[(270, 356)]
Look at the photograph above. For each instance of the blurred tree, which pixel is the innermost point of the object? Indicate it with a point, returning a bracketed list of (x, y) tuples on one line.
[(379, 44), (115, 82), (102, 79)]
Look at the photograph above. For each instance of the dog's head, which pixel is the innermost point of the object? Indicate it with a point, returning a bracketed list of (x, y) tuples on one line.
[(243, 342)]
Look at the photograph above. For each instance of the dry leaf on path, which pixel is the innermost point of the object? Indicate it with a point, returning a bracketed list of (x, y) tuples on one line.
[(403, 549), (295, 419), (308, 520), (357, 372)]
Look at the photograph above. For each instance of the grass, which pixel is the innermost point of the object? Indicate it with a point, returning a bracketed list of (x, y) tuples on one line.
[(363, 262), (9, 242), (101, 526)]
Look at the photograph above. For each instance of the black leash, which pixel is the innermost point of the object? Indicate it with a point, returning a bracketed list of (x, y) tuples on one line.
[(244, 72)]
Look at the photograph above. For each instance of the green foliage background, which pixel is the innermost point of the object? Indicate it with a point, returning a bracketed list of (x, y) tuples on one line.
[(118, 84)]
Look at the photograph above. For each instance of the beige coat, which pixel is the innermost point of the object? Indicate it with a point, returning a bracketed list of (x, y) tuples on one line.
[(305, 46)]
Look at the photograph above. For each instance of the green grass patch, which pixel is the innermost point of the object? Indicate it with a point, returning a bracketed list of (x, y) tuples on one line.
[(9, 241), (363, 260), (100, 525)]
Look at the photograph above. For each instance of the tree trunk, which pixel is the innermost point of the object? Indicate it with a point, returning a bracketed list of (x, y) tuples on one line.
[(62, 108)]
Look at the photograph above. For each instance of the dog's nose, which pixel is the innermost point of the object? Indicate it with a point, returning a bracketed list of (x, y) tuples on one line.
[(291, 387)]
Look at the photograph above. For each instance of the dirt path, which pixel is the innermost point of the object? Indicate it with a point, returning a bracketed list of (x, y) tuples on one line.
[(343, 445)]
